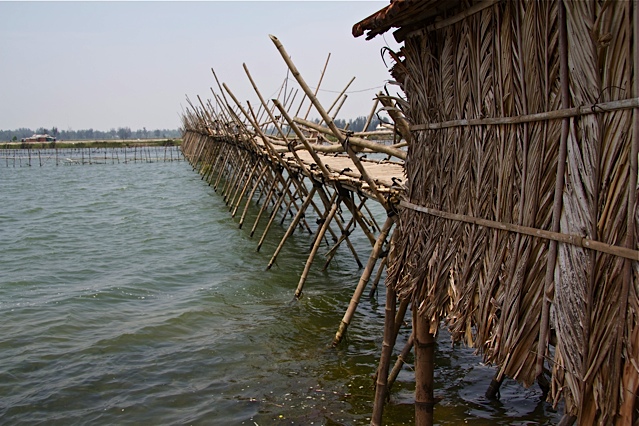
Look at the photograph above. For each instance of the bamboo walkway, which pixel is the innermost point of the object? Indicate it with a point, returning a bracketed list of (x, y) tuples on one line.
[(299, 169)]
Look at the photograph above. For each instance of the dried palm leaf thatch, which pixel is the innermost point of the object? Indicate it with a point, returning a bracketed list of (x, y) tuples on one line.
[(488, 284)]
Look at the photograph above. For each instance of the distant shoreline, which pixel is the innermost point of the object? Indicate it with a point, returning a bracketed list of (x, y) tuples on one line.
[(91, 144)]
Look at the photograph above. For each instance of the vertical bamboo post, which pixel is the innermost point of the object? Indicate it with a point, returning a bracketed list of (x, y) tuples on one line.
[(245, 173), (384, 360), (236, 200), (361, 285), (424, 369), (372, 113)]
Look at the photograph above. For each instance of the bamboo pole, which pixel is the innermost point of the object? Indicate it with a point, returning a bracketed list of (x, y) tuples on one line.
[(260, 178), (331, 253), (318, 241), (267, 200), (384, 360), (328, 111), (293, 225), (273, 214), (319, 83), (372, 113), (575, 240), (237, 199), (399, 363), (342, 139), (355, 141), (378, 276), (559, 114), (424, 343), (361, 285)]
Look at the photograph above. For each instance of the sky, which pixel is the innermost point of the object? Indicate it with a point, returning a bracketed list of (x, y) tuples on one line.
[(102, 65)]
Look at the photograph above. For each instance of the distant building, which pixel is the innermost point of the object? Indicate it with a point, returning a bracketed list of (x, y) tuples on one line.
[(39, 138)]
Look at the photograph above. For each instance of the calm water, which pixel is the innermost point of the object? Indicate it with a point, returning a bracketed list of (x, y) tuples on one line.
[(128, 295)]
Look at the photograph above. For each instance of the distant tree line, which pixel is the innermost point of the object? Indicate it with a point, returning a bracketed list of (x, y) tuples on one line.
[(125, 133), (356, 124), (121, 133)]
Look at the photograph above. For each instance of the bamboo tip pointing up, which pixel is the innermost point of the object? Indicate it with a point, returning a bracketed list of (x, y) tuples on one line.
[(272, 37)]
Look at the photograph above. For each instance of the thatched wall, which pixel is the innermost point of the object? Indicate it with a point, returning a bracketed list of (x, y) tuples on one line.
[(488, 283)]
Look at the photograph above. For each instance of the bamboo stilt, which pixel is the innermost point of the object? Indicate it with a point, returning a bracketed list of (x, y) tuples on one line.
[(267, 200), (424, 343), (273, 214), (378, 276), (236, 202), (255, 186), (293, 225), (384, 360), (399, 363), (318, 241), (372, 260)]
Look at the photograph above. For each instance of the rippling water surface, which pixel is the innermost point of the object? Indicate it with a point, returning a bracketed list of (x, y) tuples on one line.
[(128, 295)]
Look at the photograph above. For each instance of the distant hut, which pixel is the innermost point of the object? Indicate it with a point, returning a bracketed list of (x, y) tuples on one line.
[(519, 229)]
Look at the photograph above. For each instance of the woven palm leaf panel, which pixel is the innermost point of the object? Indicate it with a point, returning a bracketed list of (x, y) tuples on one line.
[(487, 284)]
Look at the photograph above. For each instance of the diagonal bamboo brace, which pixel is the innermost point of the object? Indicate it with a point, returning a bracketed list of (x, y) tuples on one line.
[(366, 275)]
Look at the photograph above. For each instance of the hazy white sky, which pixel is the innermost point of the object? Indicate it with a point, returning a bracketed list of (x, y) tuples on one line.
[(102, 65)]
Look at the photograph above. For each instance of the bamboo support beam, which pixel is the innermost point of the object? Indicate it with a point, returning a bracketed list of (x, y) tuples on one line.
[(356, 141), (273, 214), (361, 285), (399, 363), (267, 200), (260, 178), (236, 201), (318, 241), (292, 225), (575, 240), (378, 276), (559, 114)]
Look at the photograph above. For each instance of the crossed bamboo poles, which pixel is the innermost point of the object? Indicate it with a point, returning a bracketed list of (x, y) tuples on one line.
[(234, 148)]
